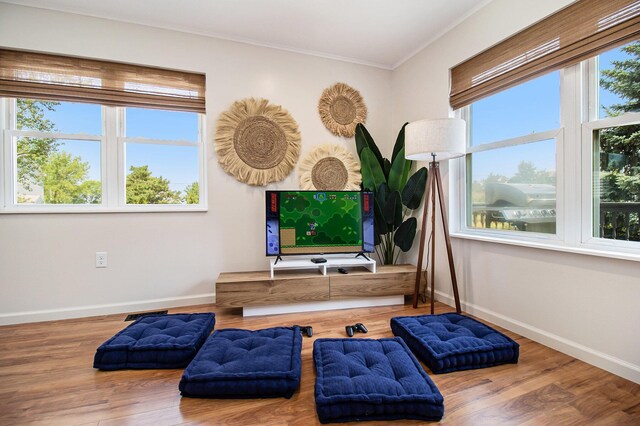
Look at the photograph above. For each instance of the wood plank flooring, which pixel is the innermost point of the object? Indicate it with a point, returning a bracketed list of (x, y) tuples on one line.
[(46, 377)]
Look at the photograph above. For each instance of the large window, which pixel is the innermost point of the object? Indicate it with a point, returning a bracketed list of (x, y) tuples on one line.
[(556, 160), (66, 156), (79, 134), (511, 174)]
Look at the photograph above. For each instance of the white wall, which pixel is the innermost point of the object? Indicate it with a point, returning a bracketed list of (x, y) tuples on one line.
[(162, 259), (583, 305)]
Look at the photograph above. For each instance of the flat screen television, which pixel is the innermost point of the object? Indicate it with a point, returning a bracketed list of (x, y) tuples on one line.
[(319, 222)]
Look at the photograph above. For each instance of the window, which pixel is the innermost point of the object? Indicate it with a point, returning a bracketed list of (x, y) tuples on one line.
[(86, 135), (511, 161), (55, 149), (556, 160), (162, 156), (66, 156), (613, 135)]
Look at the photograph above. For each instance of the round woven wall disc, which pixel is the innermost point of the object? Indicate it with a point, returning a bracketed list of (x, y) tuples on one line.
[(343, 110), (260, 142), (329, 168), (329, 173), (257, 142)]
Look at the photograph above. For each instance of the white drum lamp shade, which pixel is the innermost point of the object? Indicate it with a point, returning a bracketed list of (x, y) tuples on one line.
[(442, 137)]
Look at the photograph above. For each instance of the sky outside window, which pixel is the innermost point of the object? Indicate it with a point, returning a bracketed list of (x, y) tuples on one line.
[(531, 107), (70, 117)]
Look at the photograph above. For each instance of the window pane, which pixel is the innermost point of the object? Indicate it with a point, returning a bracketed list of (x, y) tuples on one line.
[(54, 171), (60, 117), (161, 174), (618, 71), (531, 107), (617, 183), (160, 124), (514, 188)]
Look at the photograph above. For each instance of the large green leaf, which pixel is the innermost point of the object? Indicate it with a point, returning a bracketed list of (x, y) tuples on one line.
[(399, 143), (399, 172), (386, 168), (382, 194), (372, 174), (364, 140), (414, 189), (379, 224), (405, 234), (393, 210)]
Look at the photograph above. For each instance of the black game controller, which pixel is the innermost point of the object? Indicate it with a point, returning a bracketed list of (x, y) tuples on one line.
[(307, 329), (350, 329)]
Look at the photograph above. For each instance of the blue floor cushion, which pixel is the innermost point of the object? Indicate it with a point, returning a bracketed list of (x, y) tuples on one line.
[(156, 341), (452, 342), (367, 379), (236, 363)]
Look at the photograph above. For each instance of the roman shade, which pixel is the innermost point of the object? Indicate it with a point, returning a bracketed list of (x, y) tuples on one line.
[(573, 34), (63, 78)]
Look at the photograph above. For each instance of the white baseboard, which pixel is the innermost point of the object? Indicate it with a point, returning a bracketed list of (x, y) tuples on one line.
[(602, 360), (251, 311), (113, 308)]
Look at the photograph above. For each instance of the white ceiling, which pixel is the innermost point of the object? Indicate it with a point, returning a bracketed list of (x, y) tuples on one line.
[(381, 33)]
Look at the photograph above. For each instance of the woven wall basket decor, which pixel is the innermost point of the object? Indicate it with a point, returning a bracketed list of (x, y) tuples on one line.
[(257, 142), (341, 107), (329, 168)]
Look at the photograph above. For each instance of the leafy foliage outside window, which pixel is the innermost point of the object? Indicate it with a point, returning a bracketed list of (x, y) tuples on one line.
[(192, 193), (41, 162), (620, 148), (144, 188), (33, 153)]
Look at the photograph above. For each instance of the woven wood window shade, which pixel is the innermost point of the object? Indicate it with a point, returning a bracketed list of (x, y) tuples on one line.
[(62, 78), (573, 34)]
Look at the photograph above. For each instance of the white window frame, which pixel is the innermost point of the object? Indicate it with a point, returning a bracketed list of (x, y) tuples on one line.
[(574, 172), (112, 162), (588, 240)]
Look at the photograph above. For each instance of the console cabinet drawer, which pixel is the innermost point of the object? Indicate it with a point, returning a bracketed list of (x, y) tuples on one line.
[(238, 289), (389, 280)]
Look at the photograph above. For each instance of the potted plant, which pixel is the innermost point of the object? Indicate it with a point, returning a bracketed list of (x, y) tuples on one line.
[(396, 194)]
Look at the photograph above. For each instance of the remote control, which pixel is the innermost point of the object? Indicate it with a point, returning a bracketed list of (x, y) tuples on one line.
[(319, 260), (343, 271)]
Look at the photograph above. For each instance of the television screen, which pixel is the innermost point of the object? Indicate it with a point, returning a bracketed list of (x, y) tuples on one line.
[(318, 222)]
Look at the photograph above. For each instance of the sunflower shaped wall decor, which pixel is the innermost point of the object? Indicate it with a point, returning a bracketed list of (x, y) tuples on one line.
[(341, 107), (257, 142), (329, 168)]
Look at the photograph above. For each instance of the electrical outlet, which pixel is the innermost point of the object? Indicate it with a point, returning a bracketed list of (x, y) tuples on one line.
[(101, 259)]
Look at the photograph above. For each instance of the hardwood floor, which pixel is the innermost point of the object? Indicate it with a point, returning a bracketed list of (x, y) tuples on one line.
[(46, 377)]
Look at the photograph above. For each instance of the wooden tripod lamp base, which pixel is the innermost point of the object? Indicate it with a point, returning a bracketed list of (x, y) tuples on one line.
[(445, 139), (434, 184)]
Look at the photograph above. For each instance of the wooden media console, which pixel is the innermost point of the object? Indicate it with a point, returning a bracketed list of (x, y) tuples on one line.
[(299, 291)]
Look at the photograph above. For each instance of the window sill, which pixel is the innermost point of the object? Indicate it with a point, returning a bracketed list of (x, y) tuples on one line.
[(548, 245), (131, 209)]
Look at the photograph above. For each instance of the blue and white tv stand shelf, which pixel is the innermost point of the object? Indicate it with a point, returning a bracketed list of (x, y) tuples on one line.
[(332, 263)]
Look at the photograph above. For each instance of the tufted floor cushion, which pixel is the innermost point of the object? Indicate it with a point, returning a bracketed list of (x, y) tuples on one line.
[(156, 341), (366, 379), (452, 342), (236, 363)]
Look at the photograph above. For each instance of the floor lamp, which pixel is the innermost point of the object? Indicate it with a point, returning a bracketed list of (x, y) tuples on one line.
[(435, 140)]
